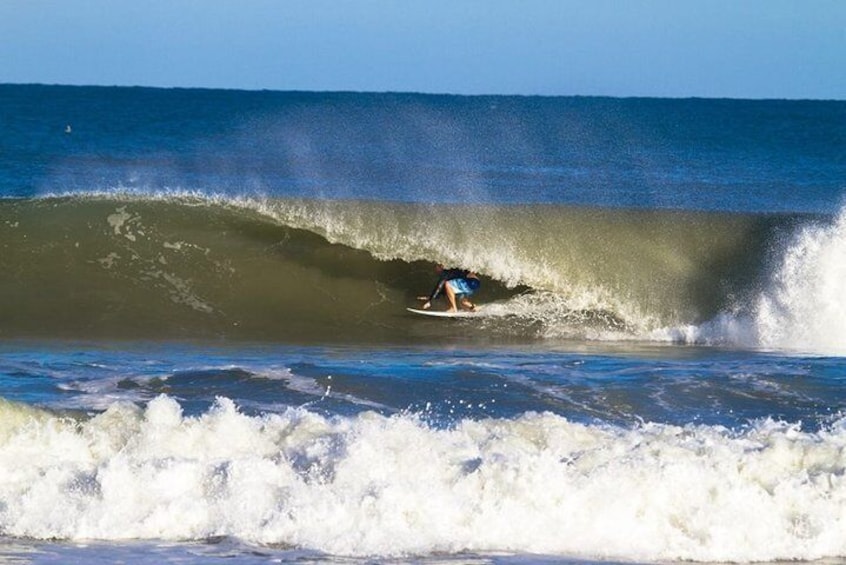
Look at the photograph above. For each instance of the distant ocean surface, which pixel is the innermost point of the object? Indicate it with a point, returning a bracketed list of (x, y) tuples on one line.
[(205, 353)]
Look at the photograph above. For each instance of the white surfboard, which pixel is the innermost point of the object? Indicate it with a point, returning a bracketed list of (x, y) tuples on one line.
[(442, 313)]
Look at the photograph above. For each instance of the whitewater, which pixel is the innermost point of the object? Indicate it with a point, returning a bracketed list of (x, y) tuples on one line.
[(205, 352), (295, 478)]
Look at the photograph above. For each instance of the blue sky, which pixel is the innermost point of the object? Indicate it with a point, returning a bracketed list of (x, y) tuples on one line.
[(677, 48)]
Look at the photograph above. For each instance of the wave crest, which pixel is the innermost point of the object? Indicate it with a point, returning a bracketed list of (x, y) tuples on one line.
[(188, 265)]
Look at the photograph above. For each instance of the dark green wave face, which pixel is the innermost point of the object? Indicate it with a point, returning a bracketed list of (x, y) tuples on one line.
[(314, 271)]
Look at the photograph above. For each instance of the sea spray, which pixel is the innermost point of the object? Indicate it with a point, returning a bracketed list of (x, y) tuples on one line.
[(804, 305), (800, 301)]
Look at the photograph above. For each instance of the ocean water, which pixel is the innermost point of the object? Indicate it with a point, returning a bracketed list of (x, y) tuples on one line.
[(206, 355)]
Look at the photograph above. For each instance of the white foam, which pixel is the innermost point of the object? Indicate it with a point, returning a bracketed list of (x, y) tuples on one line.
[(801, 307), (119, 220), (389, 486), (804, 306)]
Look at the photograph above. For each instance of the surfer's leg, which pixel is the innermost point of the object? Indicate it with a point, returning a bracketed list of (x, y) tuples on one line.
[(464, 288), (450, 292)]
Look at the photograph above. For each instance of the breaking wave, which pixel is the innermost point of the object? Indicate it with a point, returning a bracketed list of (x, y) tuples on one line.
[(185, 265)]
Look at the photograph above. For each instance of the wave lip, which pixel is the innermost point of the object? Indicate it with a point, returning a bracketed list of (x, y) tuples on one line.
[(352, 486)]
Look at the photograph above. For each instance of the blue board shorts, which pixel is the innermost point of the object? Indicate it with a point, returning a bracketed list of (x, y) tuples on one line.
[(464, 286)]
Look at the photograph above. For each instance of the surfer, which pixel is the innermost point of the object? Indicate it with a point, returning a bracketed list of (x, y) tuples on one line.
[(453, 282)]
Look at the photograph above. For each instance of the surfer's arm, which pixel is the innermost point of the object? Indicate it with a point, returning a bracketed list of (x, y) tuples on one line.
[(434, 294), (437, 290)]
